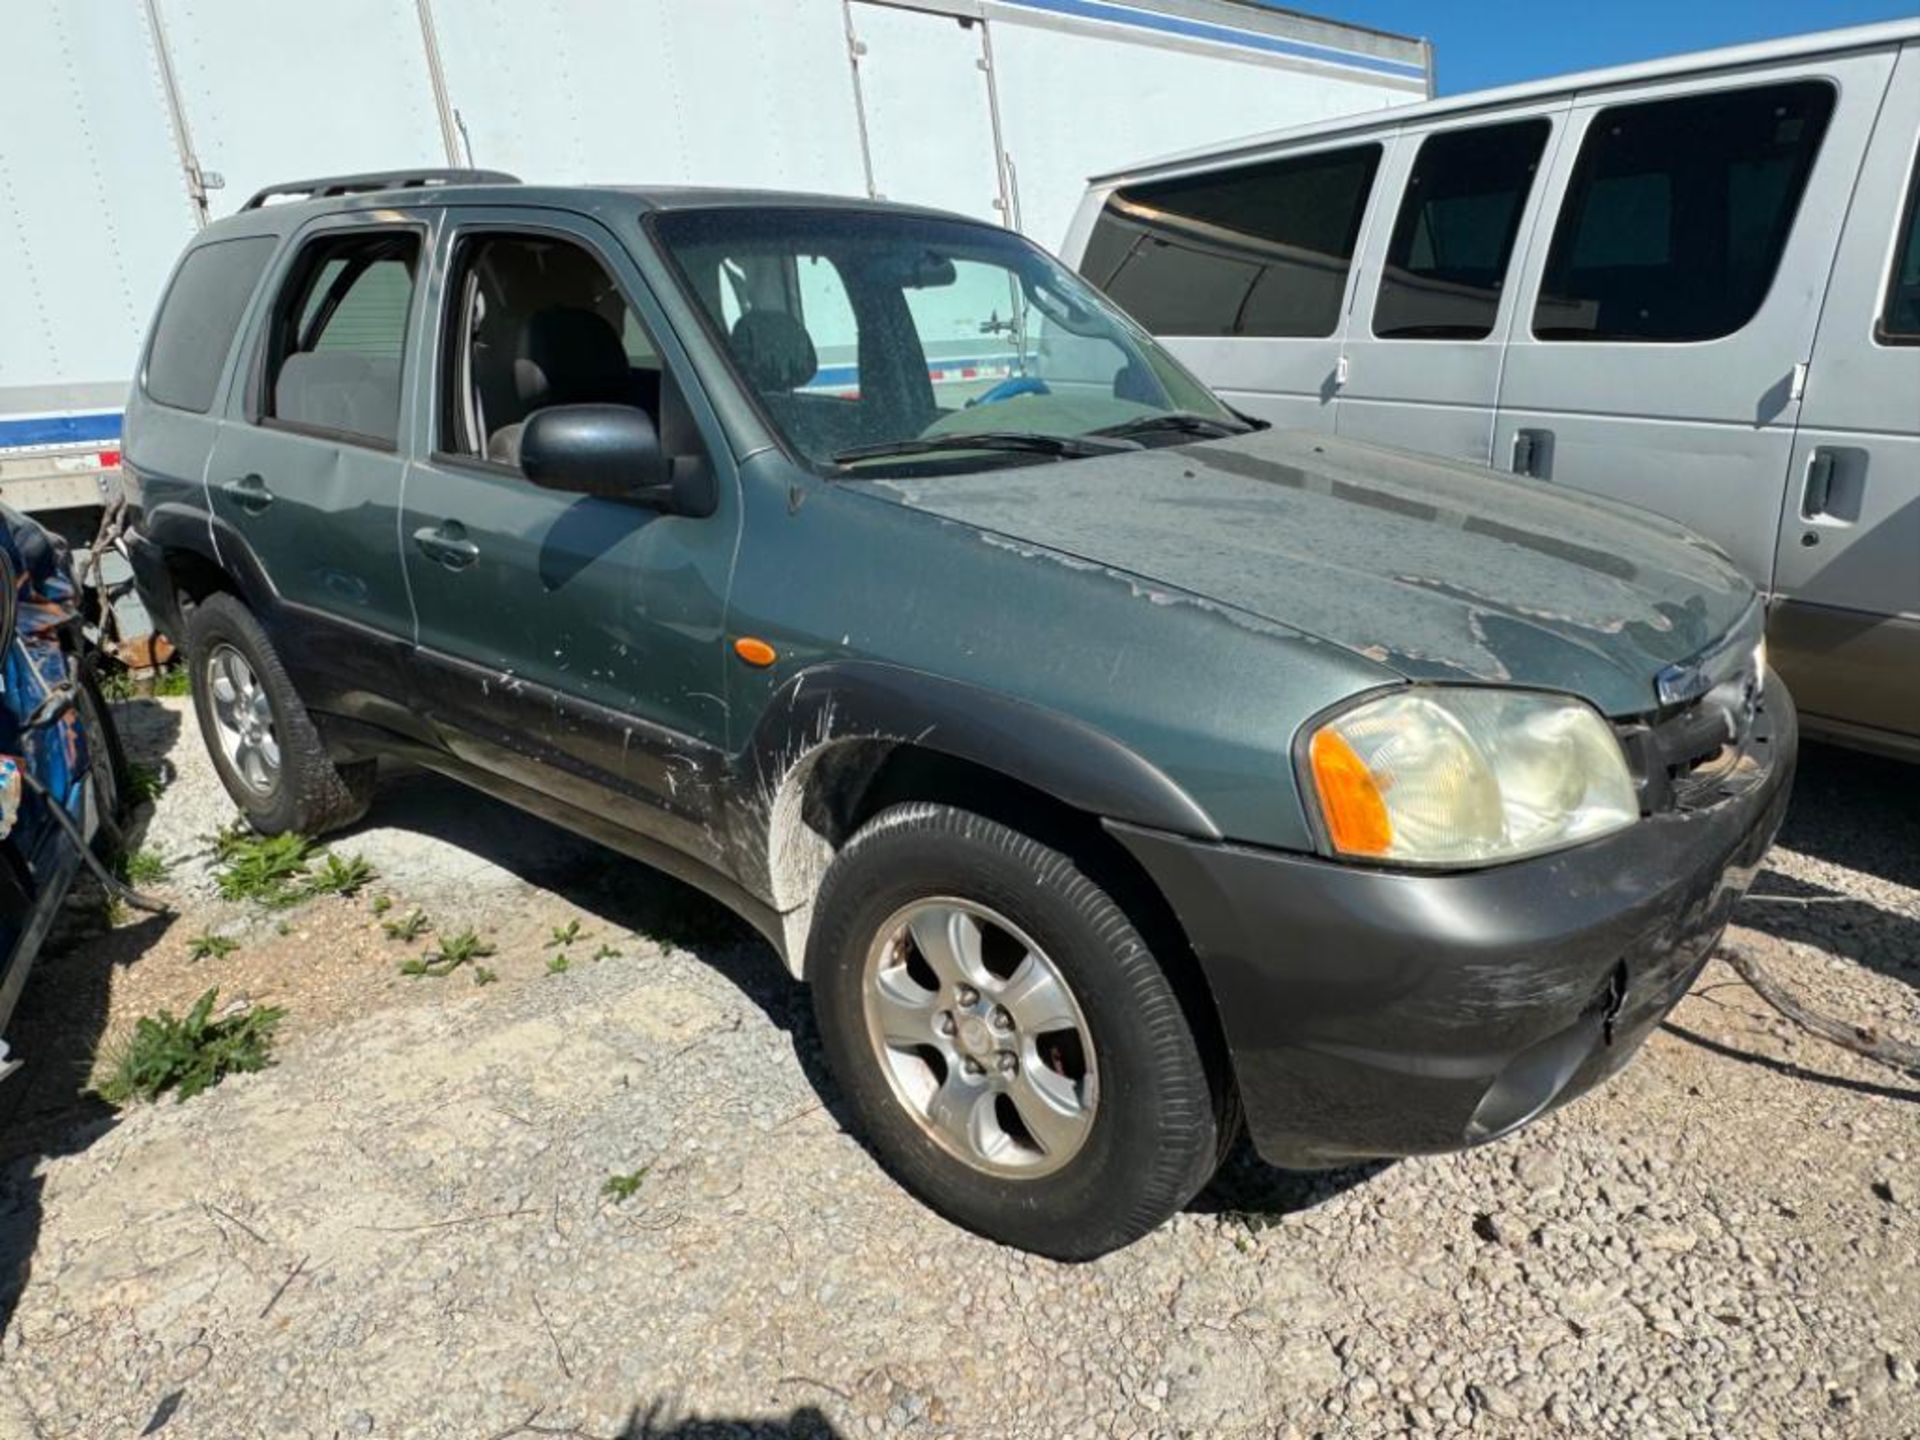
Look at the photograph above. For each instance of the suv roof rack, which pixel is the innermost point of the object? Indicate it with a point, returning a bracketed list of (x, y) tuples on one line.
[(329, 186)]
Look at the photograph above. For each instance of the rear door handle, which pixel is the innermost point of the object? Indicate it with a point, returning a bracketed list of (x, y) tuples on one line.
[(250, 493), (1818, 493), (1532, 450), (447, 543)]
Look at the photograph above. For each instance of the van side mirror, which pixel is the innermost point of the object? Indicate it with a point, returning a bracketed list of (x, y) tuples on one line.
[(612, 451)]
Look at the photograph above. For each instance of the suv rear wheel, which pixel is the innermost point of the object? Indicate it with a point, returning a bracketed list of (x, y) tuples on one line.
[(263, 743), (1015, 1053)]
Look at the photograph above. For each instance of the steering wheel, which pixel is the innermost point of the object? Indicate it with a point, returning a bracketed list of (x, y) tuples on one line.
[(1010, 387)]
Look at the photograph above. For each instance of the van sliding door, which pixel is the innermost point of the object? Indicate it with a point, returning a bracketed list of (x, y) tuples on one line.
[(1673, 289)]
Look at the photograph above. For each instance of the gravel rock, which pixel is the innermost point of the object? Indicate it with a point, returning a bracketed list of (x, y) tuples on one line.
[(401, 1227)]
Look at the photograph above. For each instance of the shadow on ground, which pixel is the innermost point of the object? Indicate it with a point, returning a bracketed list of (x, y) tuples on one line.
[(1248, 1188), (45, 1108), (1858, 812), (658, 1422)]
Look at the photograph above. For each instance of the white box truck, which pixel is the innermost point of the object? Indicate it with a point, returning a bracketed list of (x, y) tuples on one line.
[(124, 124)]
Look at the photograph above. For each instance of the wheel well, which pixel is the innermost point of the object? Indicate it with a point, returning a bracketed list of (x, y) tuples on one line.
[(195, 577), (842, 785)]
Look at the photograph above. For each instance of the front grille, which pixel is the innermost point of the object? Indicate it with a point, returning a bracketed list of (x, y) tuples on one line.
[(1694, 755)]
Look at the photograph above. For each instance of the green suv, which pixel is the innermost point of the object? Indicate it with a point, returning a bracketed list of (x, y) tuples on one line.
[(1116, 769)]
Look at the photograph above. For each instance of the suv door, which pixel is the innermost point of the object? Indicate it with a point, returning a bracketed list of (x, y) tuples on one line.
[(1430, 322), (1846, 624), (572, 643), (1671, 303), (305, 476)]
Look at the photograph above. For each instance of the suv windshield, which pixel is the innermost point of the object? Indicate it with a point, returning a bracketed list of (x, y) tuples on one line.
[(879, 341)]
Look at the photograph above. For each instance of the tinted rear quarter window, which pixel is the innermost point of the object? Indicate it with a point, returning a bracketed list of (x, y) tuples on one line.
[(198, 318), (1447, 260), (1678, 212), (1260, 250)]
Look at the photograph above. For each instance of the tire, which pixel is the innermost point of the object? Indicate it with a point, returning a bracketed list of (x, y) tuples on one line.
[(1151, 1137), (303, 791), (106, 763)]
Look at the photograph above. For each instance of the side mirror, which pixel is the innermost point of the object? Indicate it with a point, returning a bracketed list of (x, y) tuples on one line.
[(612, 451)]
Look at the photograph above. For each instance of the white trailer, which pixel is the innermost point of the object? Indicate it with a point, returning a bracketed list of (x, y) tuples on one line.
[(124, 124)]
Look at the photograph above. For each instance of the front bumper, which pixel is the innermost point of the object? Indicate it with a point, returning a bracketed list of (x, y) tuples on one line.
[(1376, 1013)]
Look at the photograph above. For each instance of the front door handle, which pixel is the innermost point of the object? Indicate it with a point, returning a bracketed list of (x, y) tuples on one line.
[(447, 543), (1818, 494), (250, 493)]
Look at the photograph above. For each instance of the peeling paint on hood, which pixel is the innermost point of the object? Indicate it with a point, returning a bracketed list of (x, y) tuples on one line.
[(1439, 570)]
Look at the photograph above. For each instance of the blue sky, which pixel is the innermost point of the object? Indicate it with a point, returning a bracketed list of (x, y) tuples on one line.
[(1478, 43)]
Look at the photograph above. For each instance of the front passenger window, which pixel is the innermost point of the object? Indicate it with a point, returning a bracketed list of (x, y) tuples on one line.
[(338, 337)]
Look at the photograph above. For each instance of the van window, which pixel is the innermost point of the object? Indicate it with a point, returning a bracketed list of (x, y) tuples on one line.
[(1678, 212), (1258, 250), (1900, 320), (338, 336), (197, 320), (1447, 259)]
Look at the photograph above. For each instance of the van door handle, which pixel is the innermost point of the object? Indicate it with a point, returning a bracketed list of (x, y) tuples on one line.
[(250, 493), (1532, 452), (1818, 492), (447, 543)]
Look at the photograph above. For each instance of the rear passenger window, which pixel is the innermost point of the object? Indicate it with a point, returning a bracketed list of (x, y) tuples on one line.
[(1260, 250), (1678, 212), (197, 320), (1900, 320), (1447, 260), (338, 336)]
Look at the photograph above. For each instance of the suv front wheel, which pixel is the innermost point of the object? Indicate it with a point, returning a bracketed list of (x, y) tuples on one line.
[(1013, 1050), (263, 743)]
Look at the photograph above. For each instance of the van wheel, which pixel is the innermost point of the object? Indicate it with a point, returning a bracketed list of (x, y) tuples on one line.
[(1013, 1050), (263, 742)]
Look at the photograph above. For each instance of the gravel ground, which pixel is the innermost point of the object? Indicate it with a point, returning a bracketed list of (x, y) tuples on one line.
[(400, 1229)]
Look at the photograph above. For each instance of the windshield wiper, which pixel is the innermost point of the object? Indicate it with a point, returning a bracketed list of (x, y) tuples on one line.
[(1059, 447), (1182, 422)]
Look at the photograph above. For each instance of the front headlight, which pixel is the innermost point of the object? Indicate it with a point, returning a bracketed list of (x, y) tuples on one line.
[(1445, 776)]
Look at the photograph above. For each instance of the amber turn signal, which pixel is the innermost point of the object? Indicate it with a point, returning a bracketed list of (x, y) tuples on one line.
[(755, 651), (1356, 816)]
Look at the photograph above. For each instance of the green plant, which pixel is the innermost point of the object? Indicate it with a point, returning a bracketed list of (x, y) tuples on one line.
[(382, 904), (271, 869), (211, 947), (621, 1188), (341, 877), (408, 927), (144, 782), (564, 935), (189, 1055), (284, 927), (606, 952), (143, 867), (483, 976), (453, 952), (558, 964), (173, 680)]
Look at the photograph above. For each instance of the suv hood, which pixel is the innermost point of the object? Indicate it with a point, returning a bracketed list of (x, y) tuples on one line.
[(1436, 569)]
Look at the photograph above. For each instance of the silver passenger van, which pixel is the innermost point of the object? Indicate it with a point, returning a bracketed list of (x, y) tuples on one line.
[(1692, 285)]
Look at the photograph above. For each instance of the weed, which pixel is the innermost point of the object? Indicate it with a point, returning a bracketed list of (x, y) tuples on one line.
[(606, 952), (278, 870), (285, 927), (382, 904), (211, 947), (453, 952), (341, 877), (564, 935), (143, 867), (621, 1188), (174, 680), (191, 1054), (408, 927), (271, 869), (558, 964), (113, 911), (144, 782), (483, 976)]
